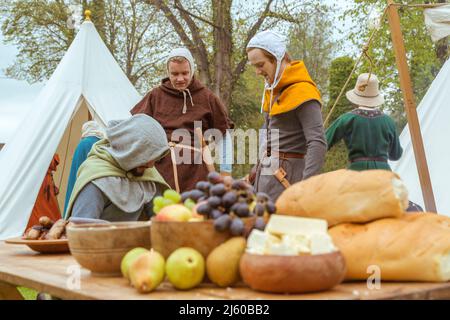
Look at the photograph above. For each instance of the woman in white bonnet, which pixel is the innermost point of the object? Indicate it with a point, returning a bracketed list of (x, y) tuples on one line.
[(291, 103)]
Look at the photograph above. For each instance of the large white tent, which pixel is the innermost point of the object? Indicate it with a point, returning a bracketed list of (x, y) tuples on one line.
[(87, 81), (434, 117)]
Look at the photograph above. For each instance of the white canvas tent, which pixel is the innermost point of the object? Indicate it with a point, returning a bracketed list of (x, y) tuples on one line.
[(87, 80), (434, 117)]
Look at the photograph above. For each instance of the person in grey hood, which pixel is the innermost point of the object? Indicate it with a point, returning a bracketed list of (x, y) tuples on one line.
[(118, 181)]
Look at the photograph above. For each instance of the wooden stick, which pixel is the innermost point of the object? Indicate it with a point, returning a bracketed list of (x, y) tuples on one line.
[(206, 152), (420, 5), (410, 107)]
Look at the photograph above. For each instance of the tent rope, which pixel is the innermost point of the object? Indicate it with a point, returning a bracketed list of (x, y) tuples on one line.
[(364, 52)]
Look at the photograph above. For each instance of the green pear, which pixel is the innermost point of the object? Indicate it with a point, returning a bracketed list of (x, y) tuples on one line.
[(185, 268), (222, 264), (129, 258), (147, 271)]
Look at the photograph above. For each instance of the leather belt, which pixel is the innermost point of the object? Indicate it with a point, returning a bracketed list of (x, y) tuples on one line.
[(379, 159), (287, 155)]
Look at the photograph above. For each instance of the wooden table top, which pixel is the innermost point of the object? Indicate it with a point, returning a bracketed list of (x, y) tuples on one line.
[(51, 273)]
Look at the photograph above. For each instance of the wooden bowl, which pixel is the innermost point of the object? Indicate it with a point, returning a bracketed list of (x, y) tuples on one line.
[(101, 247), (43, 246), (167, 236), (292, 274)]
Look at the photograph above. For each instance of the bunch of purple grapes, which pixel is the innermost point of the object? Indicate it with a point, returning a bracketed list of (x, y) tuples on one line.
[(227, 201)]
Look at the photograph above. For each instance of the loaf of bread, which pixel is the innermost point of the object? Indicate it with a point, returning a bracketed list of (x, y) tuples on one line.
[(346, 196), (415, 247)]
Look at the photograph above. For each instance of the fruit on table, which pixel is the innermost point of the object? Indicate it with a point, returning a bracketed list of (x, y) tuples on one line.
[(218, 197), (185, 268), (175, 212), (222, 264), (222, 223), (168, 198), (237, 227), (172, 195), (147, 271), (129, 258), (227, 199), (189, 203)]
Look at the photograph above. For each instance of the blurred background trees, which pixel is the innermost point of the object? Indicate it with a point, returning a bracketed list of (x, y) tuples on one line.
[(140, 33)]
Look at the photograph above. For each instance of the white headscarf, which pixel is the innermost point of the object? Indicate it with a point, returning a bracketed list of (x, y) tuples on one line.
[(184, 53), (92, 129), (275, 44)]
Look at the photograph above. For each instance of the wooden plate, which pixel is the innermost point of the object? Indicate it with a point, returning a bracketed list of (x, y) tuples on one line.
[(43, 246)]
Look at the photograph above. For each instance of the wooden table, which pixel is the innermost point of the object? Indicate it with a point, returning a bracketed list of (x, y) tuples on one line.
[(51, 273)]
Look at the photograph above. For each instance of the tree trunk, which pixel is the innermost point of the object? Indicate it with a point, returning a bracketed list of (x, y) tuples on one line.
[(222, 82)]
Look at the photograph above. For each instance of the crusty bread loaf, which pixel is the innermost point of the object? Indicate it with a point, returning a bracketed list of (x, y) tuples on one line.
[(415, 247), (346, 196)]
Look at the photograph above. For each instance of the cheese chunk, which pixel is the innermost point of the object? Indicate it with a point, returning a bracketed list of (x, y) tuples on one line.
[(281, 249), (321, 243), (301, 244), (286, 225), (259, 242)]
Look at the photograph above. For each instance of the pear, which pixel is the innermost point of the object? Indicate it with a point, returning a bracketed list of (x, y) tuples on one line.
[(129, 258), (147, 271), (222, 264)]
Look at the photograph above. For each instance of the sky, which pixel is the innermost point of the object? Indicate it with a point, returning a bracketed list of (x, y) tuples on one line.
[(16, 97)]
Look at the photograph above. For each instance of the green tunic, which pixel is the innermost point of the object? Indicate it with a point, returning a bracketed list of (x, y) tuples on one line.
[(367, 134)]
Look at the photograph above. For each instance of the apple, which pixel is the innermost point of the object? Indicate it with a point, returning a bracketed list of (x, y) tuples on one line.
[(175, 212), (185, 268), (147, 271), (129, 258)]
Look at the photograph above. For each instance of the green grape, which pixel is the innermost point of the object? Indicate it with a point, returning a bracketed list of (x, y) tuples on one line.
[(189, 203), (172, 195), (158, 201), (156, 208), (167, 202)]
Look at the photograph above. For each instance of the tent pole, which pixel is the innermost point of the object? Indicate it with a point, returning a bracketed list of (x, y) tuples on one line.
[(410, 107)]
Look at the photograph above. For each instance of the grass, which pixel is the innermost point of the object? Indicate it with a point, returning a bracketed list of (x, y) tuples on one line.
[(28, 294)]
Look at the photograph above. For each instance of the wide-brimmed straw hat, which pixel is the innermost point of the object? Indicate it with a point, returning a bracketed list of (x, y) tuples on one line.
[(366, 92)]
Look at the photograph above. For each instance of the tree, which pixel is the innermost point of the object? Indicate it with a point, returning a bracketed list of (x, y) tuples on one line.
[(42, 34), (423, 60), (217, 34), (339, 71), (312, 41)]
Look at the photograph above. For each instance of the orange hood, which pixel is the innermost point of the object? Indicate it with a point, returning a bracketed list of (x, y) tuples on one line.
[(294, 88)]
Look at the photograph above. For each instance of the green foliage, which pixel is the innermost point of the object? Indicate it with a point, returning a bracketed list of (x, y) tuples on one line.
[(312, 41), (39, 30), (340, 69), (28, 294), (339, 72), (245, 111), (424, 64)]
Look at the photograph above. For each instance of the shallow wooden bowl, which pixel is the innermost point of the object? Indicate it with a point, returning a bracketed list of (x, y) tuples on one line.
[(101, 247), (292, 274), (167, 236), (43, 246)]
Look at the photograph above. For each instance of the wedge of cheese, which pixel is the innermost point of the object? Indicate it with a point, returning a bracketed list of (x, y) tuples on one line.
[(260, 242), (287, 235), (287, 225)]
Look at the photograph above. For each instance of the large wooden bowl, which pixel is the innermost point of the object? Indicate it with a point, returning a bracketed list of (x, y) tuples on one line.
[(167, 236), (101, 247), (292, 274)]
